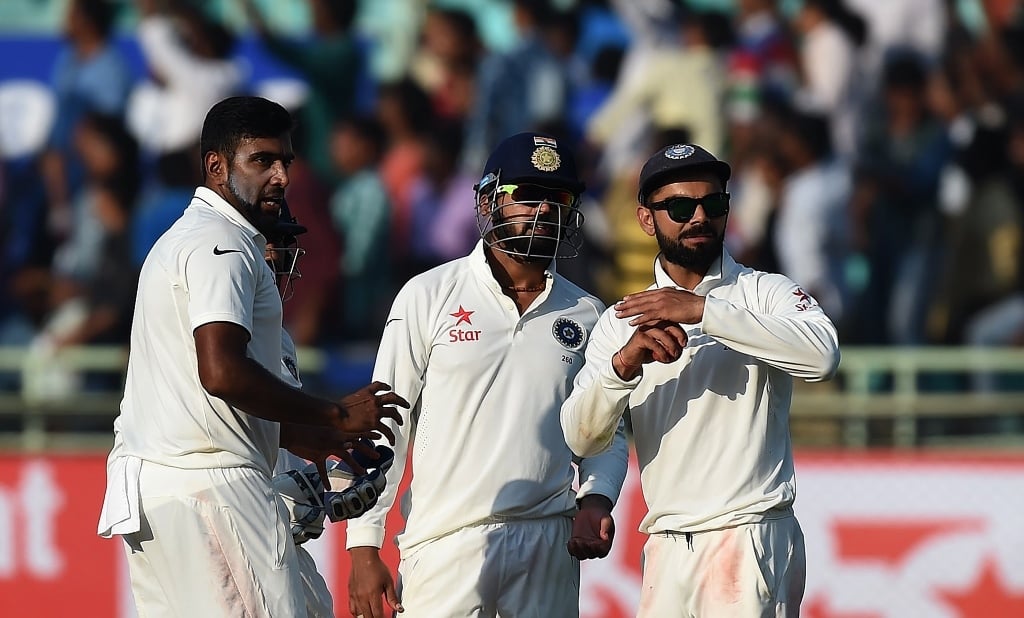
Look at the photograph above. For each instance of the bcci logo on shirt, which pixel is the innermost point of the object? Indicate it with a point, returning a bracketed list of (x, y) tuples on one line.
[(569, 333)]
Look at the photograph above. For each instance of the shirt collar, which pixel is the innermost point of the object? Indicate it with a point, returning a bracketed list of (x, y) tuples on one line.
[(478, 264), (721, 269), (208, 197)]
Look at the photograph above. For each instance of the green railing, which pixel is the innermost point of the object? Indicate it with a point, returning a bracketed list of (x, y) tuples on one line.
[(880, 396)]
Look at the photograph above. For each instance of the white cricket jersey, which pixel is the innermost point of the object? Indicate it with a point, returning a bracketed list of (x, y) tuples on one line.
[(711, 429), (208, 267), (486, 386)]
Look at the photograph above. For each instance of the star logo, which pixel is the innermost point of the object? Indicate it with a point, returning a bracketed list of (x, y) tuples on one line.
[(989, 595), (463, 316)]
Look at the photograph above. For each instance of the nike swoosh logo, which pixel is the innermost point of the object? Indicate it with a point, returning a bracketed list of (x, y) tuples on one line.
[(218, 251)]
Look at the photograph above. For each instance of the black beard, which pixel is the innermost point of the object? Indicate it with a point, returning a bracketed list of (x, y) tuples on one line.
[(699, 258), (251, 210)]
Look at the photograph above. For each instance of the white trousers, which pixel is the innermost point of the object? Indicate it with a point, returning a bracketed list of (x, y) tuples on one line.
[(515, 569), (750, 571), (213, 542), (319, 602)]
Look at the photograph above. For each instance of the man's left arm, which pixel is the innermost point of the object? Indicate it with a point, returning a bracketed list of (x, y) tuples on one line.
[(788, 330), (601, 478)]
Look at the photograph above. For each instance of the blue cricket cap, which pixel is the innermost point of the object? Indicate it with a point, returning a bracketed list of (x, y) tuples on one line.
[(533, 157)]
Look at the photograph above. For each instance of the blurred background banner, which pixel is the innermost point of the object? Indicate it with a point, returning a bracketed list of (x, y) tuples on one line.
[(888, 536)]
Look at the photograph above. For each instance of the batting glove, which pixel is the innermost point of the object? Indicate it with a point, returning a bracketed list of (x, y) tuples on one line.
[(364, 490), (302, 492)]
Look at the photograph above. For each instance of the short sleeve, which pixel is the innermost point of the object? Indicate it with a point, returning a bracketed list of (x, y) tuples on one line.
[(221, 286)]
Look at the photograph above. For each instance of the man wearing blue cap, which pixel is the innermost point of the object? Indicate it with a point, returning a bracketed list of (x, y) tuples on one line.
[(704, 360), (487, 347)]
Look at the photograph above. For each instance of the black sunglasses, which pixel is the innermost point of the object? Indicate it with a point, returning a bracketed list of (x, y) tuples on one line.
[(680, 208)]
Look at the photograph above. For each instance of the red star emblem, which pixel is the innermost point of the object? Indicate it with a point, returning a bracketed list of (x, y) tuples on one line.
[(463, 316), (988, 596), (803, 296)]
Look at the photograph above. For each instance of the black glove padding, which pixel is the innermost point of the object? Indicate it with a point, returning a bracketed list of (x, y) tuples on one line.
[(363, 491)]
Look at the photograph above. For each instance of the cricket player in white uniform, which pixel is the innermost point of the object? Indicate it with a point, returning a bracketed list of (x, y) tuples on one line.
[(204, 412), (704, 360), (295, 478), (487, 347)]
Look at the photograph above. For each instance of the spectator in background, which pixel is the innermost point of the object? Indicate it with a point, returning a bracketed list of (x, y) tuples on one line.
[(532, 70), (897, 223), (439, 202), (404, 110), (830, 36), (679, 85), (330, 61), (812, 226), (188, 56), (764, 62), (174, 179), (110, 160), (93, 304), (362, 218), (90, 75), (918, 25), (445, 64)]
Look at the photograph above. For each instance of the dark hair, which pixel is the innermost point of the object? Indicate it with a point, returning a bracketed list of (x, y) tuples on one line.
[(461, 21), (123, 181), (717, 28), (99, 13), (904, 69), (342, 12), (414, 102), (813, 130), (236, 118), (369, 130), (218, 36)]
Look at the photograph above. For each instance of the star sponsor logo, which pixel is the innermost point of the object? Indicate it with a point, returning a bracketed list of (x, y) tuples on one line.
[(457, 334), (463, 316), (804, 300)]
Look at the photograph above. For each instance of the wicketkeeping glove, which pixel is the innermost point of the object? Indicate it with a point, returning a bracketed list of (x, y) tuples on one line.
[(363, 491), (303, 494)]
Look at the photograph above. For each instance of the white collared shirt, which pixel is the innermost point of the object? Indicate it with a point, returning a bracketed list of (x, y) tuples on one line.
[(208, 267), (711, 429), (486, 386)]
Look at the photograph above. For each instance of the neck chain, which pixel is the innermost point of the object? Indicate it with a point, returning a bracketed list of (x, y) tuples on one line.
[(525, 288)]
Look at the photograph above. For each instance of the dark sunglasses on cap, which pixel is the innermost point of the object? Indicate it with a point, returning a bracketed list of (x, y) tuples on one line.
[(535, 194), (680, 208)]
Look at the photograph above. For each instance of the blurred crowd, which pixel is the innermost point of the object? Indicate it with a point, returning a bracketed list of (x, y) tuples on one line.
[(877, 148)]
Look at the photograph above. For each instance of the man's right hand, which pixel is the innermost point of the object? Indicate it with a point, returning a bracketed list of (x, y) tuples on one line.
[(662, 342), (365, 410), (369, 579)]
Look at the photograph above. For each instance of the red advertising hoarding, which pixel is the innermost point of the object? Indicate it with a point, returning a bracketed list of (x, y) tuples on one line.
[(888, 536)]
